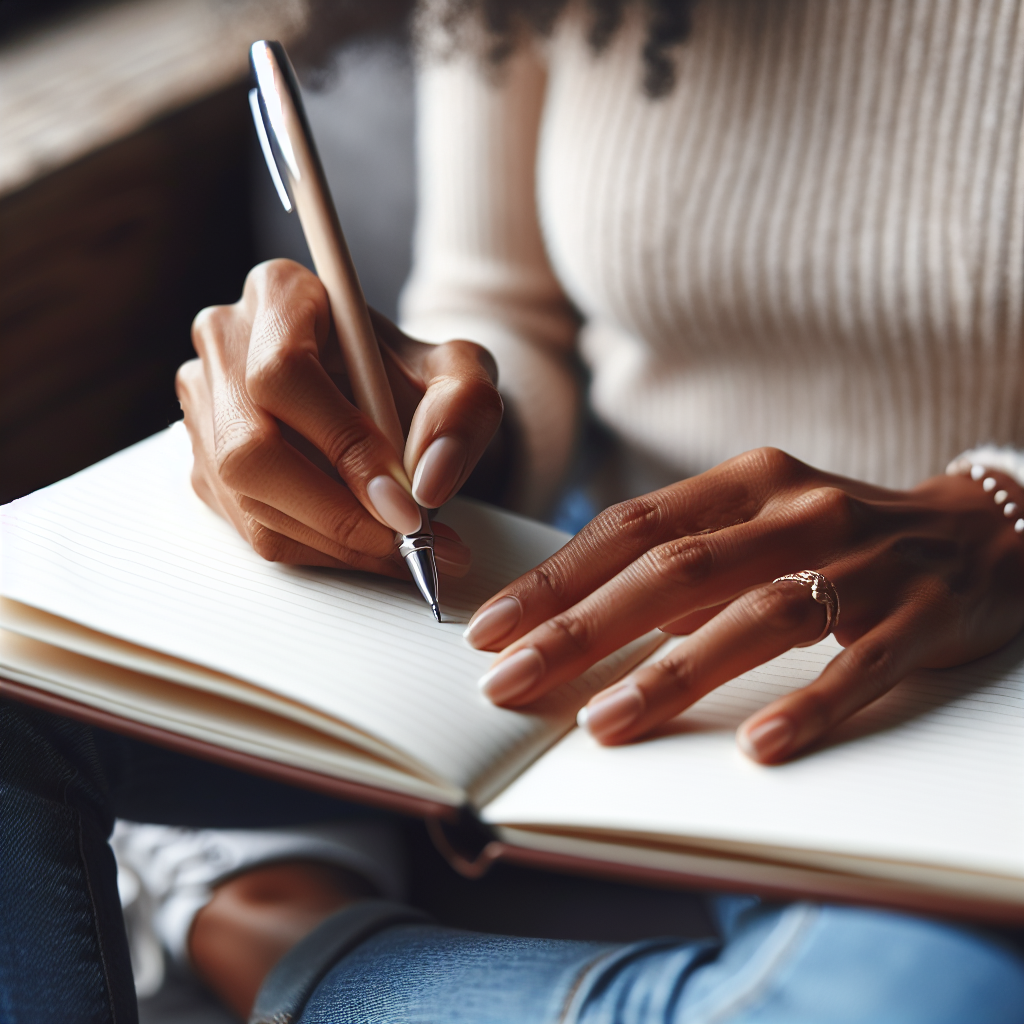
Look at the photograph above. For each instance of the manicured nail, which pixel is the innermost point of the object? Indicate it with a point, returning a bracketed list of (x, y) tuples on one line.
[(514, 676), (453, 558), (438, 471), (766, 740), (493, 623), (612, 711), (394, 504)]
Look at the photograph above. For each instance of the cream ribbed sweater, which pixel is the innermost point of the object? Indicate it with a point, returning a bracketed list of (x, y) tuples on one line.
[(816, 241)]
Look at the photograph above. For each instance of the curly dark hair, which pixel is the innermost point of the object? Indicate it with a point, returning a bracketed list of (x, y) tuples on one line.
[(506, 22)]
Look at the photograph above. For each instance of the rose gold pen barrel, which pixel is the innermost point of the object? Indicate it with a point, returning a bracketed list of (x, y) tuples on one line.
[(320, 225)]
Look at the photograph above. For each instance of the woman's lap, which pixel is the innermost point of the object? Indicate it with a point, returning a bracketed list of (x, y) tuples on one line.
[(63, 954), (63, 951), (799, 964)]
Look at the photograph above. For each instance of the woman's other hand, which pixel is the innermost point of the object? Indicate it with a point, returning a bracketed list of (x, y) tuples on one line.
[(931, 577), (272, 427)]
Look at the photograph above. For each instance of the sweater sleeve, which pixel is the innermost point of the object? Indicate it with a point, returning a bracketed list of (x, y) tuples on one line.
[(480, 270)]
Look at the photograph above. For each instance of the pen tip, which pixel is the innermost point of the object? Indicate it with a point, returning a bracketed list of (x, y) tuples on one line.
[(437, 611)]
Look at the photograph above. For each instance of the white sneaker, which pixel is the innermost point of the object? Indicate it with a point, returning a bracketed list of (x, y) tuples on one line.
[(166, 875)]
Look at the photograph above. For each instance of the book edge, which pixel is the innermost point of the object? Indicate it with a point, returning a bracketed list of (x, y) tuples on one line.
[(304, 778)]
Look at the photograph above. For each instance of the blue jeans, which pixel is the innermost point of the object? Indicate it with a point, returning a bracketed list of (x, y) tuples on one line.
[(64, 957), (799, 964)]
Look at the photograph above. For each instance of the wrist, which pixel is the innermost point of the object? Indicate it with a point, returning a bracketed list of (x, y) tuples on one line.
[(999, 472), (1004, 459)]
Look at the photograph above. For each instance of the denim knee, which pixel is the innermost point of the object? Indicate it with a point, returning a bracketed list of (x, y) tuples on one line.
[(801, 964), (804, 963), (427, 973)]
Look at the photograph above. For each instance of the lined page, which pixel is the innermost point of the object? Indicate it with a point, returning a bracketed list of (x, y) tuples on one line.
[(126, 548), (933, 773), (201, 716)]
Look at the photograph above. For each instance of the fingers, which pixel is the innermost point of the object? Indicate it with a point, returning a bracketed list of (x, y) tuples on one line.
[(858, 675), (251, 458), (733, 493), (292, 498), (280, 546), (454, 422), (316, 535), (604, 548), (285, 378), (755, 628), (673, 580), (448, 394)]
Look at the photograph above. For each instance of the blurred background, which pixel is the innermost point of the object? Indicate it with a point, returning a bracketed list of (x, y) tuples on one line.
[(133, 193)]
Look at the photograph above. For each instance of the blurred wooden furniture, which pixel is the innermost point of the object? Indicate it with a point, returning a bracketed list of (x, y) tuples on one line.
[(124, 145)]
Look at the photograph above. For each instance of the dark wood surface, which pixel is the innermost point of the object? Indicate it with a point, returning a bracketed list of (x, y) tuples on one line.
[(103, 264)]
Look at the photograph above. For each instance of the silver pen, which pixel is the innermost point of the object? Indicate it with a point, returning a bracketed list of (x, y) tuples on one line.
[(286, 139)]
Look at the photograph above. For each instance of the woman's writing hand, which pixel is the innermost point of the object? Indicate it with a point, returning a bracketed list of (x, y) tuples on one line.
[(930, 577), (272, 428)]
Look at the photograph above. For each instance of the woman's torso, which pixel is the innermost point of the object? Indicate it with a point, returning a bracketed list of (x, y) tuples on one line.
[(815, 241)]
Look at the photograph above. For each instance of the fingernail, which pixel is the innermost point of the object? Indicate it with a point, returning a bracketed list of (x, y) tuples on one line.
[(612, 711), (453, 558), (438, 471), (766, 740), (514, 676), (394, 504), (493, 623)]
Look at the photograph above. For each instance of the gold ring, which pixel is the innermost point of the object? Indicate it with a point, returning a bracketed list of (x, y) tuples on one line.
[(824, 593)]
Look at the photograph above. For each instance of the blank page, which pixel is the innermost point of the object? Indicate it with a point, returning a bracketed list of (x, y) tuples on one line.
[(126, 548), (933, 773)]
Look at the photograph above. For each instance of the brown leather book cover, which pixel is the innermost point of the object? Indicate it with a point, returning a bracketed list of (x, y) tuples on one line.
[(474, 863), (329, 785)]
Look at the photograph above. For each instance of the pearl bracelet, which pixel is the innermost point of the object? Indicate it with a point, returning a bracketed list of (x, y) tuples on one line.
[(1007, 461)]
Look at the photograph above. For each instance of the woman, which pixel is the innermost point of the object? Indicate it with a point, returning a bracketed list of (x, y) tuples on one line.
[(801, 245), (787, 250)]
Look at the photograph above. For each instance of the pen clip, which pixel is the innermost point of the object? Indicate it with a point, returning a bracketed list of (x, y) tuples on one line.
[(268, 153), (276, 103)]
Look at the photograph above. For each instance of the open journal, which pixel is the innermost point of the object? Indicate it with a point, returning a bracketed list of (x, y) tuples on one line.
[(127, 603)]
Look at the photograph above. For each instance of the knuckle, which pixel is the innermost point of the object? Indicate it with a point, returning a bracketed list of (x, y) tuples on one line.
[(210, 326), (784, 609), (677, 673), (831, 502), (349, 526), (686, 562), (351, 447), (548, 581), (187, 378), (470, 353), (478, 404), (874, 664), (272, 274), (282, 281), (270, 546), (270, 366), (773, 463), (569, 632), (831, 506), (628, 522), (484, 399), (240, 448)]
